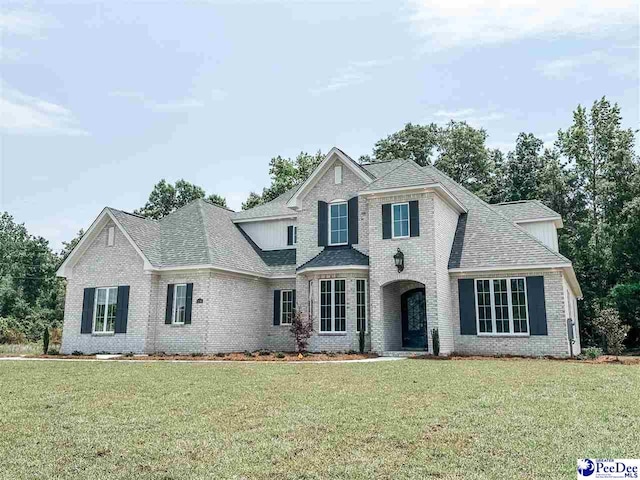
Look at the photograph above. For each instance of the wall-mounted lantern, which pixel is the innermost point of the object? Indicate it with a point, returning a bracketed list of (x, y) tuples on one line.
[(398, 258)]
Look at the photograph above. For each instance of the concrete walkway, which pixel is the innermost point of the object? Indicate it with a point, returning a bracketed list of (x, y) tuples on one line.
[(278, 362)]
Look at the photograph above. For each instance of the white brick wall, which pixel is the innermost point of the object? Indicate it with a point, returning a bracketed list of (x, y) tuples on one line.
[(554, 344)]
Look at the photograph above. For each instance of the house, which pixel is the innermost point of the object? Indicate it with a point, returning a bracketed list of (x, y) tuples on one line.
[(393, 248)]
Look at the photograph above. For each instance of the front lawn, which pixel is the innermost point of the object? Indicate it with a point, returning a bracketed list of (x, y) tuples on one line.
[(405, 419)]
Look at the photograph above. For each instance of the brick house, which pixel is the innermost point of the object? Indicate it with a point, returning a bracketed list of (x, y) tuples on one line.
[(392, 248)]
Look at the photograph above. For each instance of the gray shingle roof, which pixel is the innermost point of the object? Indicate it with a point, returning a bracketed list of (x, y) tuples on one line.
[(336, 257), (144, 232), (276, 207), (525, 210), (405, 173), (273, 258), (485, 238)]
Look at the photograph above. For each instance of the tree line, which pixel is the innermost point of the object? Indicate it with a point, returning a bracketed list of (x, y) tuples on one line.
[(590, 176)]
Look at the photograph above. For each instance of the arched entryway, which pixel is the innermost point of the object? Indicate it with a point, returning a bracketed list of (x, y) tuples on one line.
[(404, 316)]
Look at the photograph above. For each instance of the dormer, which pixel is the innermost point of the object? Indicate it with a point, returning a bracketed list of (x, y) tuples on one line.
[(536, 218)]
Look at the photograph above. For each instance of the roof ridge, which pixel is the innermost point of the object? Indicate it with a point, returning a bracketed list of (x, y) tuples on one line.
[(389, 172), (205, 231), (216, 205), (142, 217)]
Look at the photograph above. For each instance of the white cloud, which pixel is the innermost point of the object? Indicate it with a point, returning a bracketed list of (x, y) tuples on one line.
[(10, 54), (574, 66), (25, 114), (455, 23), (354, 73), (23, 23), (168, 106)]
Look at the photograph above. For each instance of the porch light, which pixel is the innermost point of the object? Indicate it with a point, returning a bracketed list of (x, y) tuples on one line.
[(398, 258)]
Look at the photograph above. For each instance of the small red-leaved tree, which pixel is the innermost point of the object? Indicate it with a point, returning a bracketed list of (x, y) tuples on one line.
[(301, 329)]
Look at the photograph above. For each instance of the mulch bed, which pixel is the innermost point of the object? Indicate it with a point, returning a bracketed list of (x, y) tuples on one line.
[(236, 356)]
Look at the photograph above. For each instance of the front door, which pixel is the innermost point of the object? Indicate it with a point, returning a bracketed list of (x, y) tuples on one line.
[(414, 319)]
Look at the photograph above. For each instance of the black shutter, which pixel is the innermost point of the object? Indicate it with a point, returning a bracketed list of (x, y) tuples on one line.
[(467, 302), (87, 310), (353, 220), (414, 218), (386, 221), (323, 218), (293, 294), (537, 310), (167, 312), (122, 309), (189, 301), (276, 307), (290, 235)]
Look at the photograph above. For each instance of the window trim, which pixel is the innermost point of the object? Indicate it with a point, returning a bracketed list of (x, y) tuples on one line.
[(494, 332), (393, 234), (282, 322), (333, 331), (332, 204), (104, 331), (174, 307), (366, 304)]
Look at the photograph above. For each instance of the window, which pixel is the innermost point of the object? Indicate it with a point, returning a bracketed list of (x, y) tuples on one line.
[(338, 214), (400, 220), (361, 305), (333, 306), (501, 306), (295, 234), (286, 307), (179, 304), (337, 173), (104, 312), (111, 236)]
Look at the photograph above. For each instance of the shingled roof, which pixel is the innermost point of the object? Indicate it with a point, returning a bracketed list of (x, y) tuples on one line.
[(524, 210), (336, 257)]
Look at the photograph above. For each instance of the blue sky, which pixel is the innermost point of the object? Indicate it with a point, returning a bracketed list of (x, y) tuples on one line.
[(99, 101)]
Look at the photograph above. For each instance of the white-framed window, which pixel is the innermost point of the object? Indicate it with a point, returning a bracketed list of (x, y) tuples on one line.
[(361, 305), (333, 305), (338, 223), (337, 174), (400, 220), (295, 234), (501, 306), (111, 236), (179, 304), (104, 310), (286, 307)]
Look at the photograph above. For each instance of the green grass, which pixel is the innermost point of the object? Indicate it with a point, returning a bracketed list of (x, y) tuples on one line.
[(406, 419)]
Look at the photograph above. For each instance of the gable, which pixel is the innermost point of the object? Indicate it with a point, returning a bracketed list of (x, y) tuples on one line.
[(349, 166), (96, 233)]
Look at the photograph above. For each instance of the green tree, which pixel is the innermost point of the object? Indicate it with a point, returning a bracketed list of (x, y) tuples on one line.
[(463, 156), (166, 198), (413, 142), (285, 174), (217, 200), (525, 166), (71, 244)]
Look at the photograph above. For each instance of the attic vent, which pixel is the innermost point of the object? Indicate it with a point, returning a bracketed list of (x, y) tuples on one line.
[(337, 171), (111, 236)]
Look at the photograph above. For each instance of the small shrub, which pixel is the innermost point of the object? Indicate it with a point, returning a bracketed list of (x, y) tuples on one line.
[(435, 336), (351, 352), (301, 329), (77, 353), (592, 352), (56, 336), (247, 353), (128, 354), (264, 353), (361, 341), (331, 354), (220, 354), (45, 341), (280, 355), (54, 351), (608, 325), (197, 354), (12, 336)]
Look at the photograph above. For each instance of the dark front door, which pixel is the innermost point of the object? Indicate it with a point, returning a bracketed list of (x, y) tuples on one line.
[(414, 319)]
